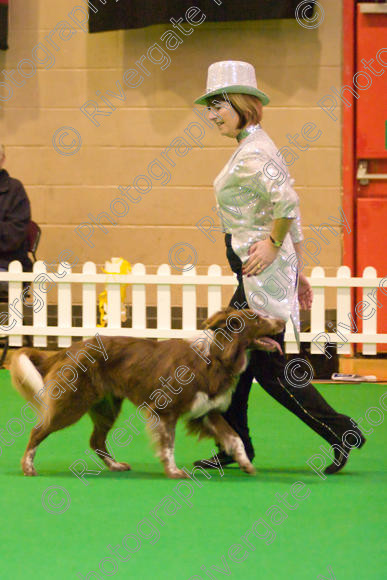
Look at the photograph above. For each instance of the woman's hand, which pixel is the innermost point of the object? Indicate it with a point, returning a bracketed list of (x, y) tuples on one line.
[(261, 255), (305, 292)]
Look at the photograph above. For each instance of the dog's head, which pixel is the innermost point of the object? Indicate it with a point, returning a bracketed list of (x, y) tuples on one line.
[(255, 328)]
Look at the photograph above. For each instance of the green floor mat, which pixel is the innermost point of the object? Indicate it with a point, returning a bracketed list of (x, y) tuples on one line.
[(140, 525)]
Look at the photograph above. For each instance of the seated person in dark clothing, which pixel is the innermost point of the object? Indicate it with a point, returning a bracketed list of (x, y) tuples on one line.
[(15, 215)]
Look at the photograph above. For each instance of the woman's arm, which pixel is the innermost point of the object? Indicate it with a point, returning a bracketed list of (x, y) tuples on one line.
[(263, 253), (305, 292)]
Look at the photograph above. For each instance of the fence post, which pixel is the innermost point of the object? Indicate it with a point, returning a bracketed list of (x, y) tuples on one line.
[(214, 291), (89, 298), (343, 308), (15, 290), (138, 298), (113, 302), (189, 301), (317, 315), (39, 317), (64, 308), (164, 313), (370, 321)]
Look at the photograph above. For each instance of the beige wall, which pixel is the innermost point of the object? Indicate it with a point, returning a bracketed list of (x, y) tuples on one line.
[(295, 66)]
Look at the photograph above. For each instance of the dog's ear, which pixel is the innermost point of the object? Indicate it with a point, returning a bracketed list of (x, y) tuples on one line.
[(250, 314), (234, 354), (218, 320)]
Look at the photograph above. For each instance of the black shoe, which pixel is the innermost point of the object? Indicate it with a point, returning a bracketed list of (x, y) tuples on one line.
[(222, 457), (340, 458)]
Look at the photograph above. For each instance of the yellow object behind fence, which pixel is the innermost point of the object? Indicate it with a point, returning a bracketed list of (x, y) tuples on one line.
[(115, 266)]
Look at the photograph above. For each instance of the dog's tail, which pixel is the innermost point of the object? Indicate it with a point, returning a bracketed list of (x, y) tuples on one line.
[(26, 373)]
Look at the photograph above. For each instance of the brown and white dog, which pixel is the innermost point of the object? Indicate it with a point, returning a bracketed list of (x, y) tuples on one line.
[(132, 368)]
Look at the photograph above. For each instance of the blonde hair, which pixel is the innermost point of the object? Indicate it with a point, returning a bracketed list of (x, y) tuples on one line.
[(248, 107)]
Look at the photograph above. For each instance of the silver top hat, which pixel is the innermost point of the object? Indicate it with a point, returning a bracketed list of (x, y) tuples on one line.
[(232, 76)]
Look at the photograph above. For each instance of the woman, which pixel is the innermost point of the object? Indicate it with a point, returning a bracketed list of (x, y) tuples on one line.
[(260, 215)]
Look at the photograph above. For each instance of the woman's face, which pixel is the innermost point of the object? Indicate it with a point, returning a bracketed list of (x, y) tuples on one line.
[(224, 117)]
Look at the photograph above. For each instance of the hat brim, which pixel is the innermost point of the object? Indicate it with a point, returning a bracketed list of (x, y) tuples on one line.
[(240, 89)]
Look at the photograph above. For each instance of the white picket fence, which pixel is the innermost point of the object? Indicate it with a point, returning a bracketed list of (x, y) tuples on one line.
[(189, 281)]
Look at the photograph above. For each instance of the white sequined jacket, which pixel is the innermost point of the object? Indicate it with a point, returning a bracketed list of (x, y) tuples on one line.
[(253, 189)]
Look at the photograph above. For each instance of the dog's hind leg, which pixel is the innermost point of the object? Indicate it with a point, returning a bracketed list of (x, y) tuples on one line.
[(164, 436), (228, 439), (38, 435), (103, 415), (53, 420)]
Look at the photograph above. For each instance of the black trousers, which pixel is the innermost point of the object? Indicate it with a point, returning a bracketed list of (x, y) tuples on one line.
[(267, 368)]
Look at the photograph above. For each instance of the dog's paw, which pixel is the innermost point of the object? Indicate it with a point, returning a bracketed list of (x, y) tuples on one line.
[(30, 472), (250, 469), (177, 474), (119, 466)]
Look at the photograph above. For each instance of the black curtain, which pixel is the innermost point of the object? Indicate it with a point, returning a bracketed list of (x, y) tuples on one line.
[(3, 24), (140, 13)]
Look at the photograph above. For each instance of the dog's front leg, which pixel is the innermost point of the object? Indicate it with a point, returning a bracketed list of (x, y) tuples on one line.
[(103, 415), (228, 439), (164, 435)]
